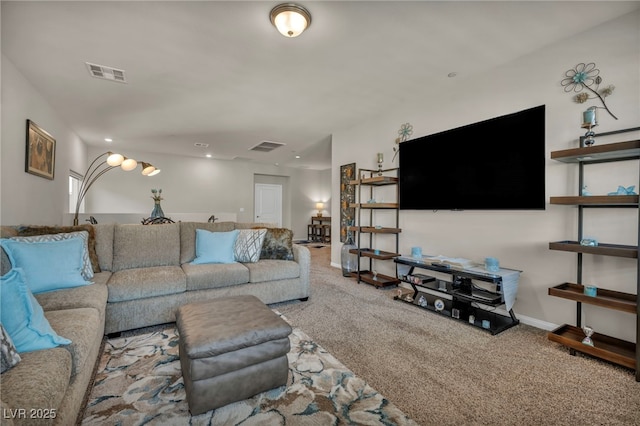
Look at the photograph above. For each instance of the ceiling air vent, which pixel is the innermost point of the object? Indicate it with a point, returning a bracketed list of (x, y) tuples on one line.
[(267, 146), (106, 73), (201, 145)]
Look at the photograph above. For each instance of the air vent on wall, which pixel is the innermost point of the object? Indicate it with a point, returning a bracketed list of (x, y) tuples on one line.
[(106, 73), (266, 146)]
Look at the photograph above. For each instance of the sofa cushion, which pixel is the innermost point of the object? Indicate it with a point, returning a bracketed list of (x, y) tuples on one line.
[(39, 381), (140, 283), (84, 327), (104, 245), (215, 275), (188, 236), (48, 265), (90, 296), (271, 269), (278, 244), (27, 231), (249, 244), (23, 317), (87, 269), (9, 356), (215, 247), (140, 246)]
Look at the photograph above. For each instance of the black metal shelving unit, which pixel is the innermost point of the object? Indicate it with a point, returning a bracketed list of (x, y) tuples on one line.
[(366, 225), (605, 347)]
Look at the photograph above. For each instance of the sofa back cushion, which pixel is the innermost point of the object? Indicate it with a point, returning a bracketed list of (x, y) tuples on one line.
[(188, 236), (140, 246), (104, 245)]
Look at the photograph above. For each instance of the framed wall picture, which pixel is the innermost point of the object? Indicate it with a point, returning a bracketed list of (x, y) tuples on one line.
[(41, 152), (347, 196)]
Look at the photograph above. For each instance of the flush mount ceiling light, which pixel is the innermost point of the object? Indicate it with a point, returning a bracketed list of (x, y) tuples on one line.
[(290, 19)]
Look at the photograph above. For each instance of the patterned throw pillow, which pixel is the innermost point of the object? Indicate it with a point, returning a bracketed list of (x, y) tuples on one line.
[(9, 356), (278, 244), (249, 244), (87, 269)]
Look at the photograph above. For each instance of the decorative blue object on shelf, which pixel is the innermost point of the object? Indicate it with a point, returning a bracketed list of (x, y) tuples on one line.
[(585, 192), (590, 290), (629, 190), (591, 242), (492, 264)]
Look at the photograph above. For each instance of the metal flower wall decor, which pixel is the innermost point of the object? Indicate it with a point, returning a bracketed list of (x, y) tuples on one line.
[(406, 130), (587, 77)]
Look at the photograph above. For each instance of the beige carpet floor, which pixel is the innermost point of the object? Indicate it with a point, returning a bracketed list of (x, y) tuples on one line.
[(443, 372)]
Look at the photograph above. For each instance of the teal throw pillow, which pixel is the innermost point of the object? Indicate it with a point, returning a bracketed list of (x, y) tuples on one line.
[(23, 317), (215, 247), (87, 269), (48, 265)]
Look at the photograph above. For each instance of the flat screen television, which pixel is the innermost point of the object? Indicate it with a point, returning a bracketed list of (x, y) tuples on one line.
[(497, 164)]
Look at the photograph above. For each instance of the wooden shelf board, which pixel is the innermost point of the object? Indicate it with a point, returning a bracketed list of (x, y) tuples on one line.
[(624, 302), (612, 151), (605, 347), (376, 181), (616, 250), (383, 255), (374, 205), (374, 230), (596, 200), (380, 281)]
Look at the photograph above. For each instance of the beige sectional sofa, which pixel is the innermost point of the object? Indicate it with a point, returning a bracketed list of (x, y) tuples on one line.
[(146, 274)]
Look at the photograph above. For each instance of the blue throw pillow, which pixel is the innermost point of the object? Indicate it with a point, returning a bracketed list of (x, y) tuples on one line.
[(48, 265), (23, 317), (87, 269), (215, 247)]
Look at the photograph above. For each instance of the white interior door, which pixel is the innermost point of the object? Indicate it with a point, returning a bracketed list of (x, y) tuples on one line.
[(268, 203)]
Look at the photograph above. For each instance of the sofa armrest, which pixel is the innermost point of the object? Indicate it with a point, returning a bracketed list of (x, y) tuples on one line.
[(302, 256)]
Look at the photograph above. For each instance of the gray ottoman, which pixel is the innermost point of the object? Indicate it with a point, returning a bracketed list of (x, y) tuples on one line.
[(231, 349)]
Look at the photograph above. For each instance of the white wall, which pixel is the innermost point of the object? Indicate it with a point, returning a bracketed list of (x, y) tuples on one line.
[(520, 238), (202, 185), (28, 198)]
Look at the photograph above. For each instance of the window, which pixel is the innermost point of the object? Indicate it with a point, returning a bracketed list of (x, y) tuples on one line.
[(75, 180)]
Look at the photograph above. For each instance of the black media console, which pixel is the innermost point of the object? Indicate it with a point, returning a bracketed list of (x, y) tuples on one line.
[(460, 298)]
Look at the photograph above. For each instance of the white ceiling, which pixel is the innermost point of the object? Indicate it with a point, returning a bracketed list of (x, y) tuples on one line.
[(219, 73)]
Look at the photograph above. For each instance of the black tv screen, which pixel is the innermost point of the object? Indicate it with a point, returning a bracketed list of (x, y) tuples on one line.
[(497, 164)]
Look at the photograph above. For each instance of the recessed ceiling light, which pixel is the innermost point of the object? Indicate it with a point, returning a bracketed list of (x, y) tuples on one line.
[(297, 156), (108, 140), (208, 155)]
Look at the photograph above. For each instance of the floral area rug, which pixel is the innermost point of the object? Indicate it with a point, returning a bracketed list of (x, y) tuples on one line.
[(139, 382)]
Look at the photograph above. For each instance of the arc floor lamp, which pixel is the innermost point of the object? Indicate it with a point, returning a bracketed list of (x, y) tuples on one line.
[(98, 168)]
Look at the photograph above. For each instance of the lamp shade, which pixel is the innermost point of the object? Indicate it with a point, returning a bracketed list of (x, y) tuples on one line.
[(128, 164), (290, 19), (147, 168), (319, 206), (114, 160), (154, 172)]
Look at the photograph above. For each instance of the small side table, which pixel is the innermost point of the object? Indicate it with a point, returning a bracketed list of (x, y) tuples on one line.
[(318, 230)]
